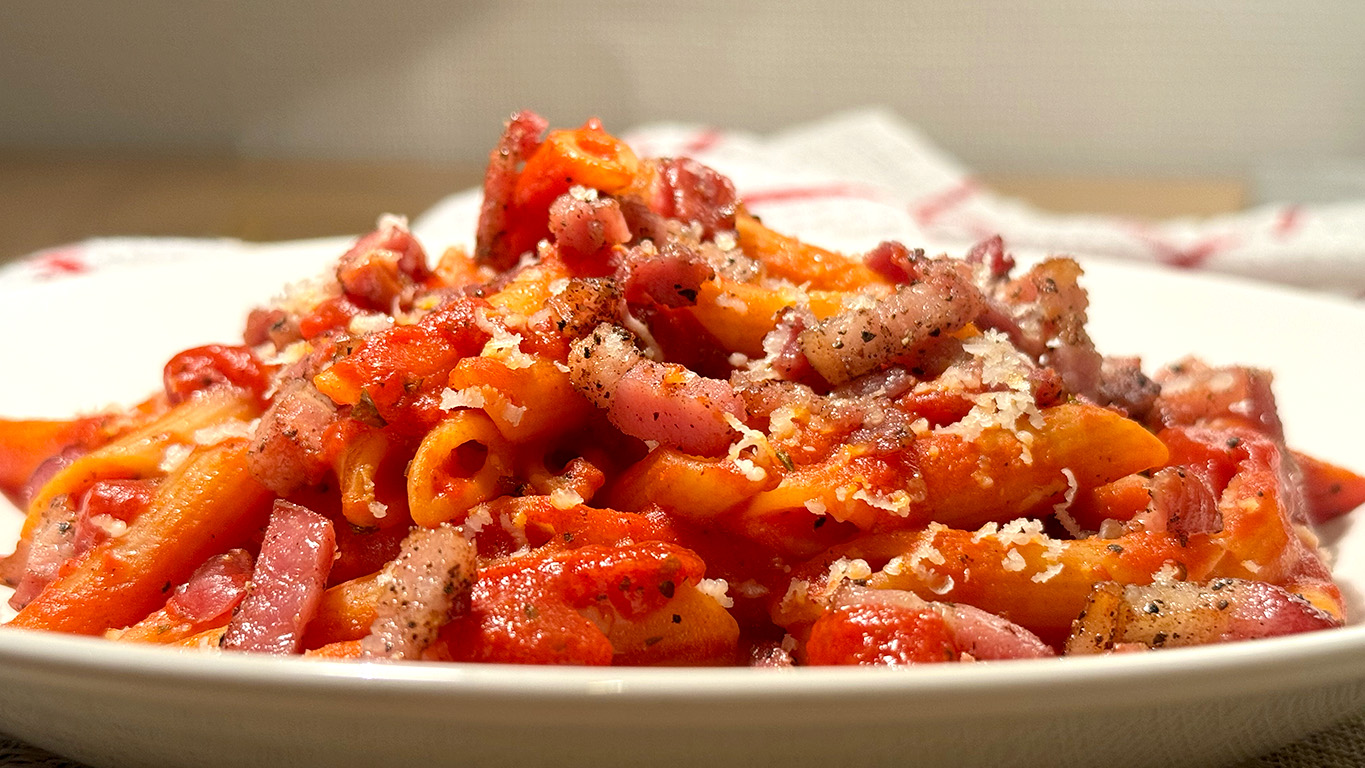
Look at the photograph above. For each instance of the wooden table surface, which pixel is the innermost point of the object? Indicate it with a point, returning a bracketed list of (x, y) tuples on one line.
[(49, 198)]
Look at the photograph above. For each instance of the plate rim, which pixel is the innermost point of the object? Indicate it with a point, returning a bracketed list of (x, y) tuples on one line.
[(1296, 662)]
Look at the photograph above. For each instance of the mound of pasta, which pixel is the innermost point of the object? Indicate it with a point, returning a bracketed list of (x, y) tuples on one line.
[(636, 426)]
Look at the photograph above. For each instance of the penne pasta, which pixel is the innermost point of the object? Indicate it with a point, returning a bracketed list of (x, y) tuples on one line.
[(636, 426)]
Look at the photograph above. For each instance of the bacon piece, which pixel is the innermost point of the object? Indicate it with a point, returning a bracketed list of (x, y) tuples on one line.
[(894, 261), (1184, 613), (783, 355), (599, 360), (585, 227), (860, 340), (1193, 392), (214, 589), (1183, 503), (1123, 384), (1043, 311), (493, 242), (107, 505), (65, 531), (68, 529), (889, 384), (46, 470), (764, 396), (675, 407), (663, 402), (432, 575), (681, 338), (286, 448), (287, 583), (1047, 386), (991, 253), (690, 192), (210, 366), (270, 324), (988, 637), (53, 541), (383, 267), (669, 275), (586, 303)]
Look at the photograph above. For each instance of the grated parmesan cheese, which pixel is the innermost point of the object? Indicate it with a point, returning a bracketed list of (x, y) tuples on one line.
[(751, 471), (109, 524), (944, 586), (1110, 529), (477, 518), (731, 301), (512, 413), (291, 354), (926, 550), (469, 397), (302, 297), (515, 526), (1013, 561), (1169, 573), (1062, 508), (1001, 365), (716, 589), (174, 455), (844, 569), (565, 498), (749, 438), (379, 510), (217, 433), (862, 300), (897, 502), (1023, 530), (989, 529), (782, 423), (502, 344), (368, 322), (1046, 574), (798, 591), (750, 589)]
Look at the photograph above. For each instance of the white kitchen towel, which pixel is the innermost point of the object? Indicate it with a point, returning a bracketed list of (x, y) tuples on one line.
[(856, 178)]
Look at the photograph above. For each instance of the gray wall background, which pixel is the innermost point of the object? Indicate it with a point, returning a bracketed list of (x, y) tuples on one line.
[(1056, 86)]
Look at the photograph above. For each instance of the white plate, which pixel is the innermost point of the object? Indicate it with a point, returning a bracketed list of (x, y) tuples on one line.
[(84, 341)]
